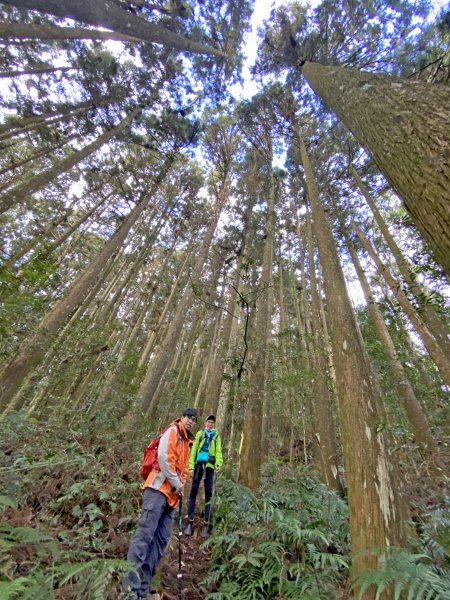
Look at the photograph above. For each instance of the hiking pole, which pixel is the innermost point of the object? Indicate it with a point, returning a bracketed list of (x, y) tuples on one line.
[(180, 551)]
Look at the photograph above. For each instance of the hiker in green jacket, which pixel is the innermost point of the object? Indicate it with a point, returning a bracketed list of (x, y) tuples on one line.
[(206, 458)]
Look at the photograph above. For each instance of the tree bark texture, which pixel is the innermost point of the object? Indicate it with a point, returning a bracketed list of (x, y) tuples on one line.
[(405, 126), (375, 510)]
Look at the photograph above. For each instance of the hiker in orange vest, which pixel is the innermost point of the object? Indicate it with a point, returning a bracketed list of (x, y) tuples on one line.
[(162, 490)]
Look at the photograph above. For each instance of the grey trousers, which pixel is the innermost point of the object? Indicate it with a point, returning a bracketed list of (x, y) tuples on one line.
[(149, 541)]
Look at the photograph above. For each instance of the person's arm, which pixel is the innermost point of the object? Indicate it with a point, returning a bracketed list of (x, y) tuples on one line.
[(219, 456), (194, 451), (167, 457)]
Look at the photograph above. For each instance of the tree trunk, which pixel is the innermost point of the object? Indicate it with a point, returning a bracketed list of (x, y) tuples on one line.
[(404, 126), (375, 509), (33, 31), (22, 191), (23, 122), (218, 367), (175, 290), (433, 348), (44, 70), (416, 416), (250, 455), (162, 358), (37, 121), (33, 157), (35, 346), (104, 13), (322, 406), (42, 237), (436, 327), (214, 339)]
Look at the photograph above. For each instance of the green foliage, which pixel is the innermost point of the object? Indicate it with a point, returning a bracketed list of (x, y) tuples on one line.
[(78, 505), (409, 575), (422, 574), (290, 543)]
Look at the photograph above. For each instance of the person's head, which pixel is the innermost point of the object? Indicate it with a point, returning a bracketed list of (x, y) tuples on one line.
[(189, 418), (210, 422)]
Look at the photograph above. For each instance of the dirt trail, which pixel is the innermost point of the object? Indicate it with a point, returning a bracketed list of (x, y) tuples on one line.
[(195, 562), (195, 565)]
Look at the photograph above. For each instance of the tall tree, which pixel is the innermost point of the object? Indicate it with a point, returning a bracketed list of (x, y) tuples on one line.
[(424, 303), (400, 122), (35, 347), (442, 361), (258, 128), (403, 127), (221, 142), (23, 190), (375, 505), (324, 430), (414, 411), (108, 14)]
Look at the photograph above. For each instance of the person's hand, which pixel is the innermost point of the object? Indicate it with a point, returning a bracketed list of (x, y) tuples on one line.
[(191, 472), (179, 490), (218, 469)]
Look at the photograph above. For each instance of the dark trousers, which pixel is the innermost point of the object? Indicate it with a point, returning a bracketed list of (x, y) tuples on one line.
[(200, 470), (149, 541)]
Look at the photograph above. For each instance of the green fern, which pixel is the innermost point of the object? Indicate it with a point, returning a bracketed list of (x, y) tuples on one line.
[(11, 589), (23, 535), (279, 548), (413, 575), (93, 577)]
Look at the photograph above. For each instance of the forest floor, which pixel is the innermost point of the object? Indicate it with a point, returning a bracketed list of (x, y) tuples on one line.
[(195, 560), (195, 566), (86, 499)]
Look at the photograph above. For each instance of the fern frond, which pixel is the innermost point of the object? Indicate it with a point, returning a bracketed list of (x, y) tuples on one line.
[(23, 535), (11, 589), (413, 574)]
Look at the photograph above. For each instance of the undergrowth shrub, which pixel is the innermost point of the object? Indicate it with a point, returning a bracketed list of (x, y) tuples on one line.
[(290, 543), (422, 573), (69, 500)]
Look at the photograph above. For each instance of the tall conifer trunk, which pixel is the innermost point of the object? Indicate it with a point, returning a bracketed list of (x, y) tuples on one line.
[(23, 190), (250, 456), (376, 509), (405, 126), (36, 345), (435, 351), (437, 328), (413, 409), (160, 362), (324, 431)]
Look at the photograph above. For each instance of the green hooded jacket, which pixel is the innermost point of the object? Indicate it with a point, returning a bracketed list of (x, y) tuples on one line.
[(215, 449)]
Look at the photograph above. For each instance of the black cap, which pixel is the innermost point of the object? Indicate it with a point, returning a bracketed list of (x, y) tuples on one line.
[(211, 418), (190, 412)]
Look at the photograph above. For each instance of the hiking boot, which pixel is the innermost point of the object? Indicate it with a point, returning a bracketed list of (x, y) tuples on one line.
[(189, 529), (205, 531)]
